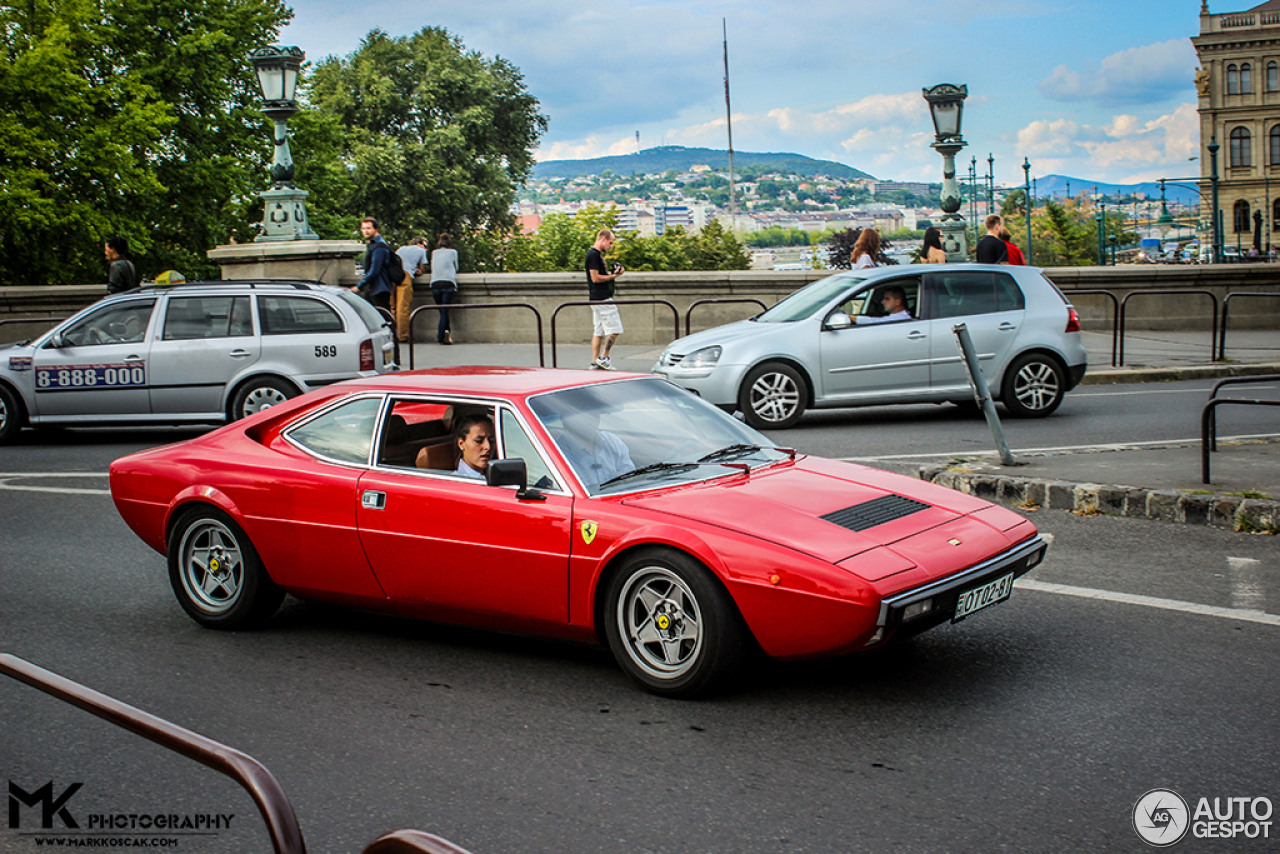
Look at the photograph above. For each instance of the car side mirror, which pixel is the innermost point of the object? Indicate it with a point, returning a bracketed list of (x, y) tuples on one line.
[(56, 341), (838, 320), (512, 472)]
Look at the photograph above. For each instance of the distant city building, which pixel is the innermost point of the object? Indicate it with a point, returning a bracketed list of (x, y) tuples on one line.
[(1239, 95), (915, 189)]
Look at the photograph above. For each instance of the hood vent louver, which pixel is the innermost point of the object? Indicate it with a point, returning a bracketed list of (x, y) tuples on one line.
[(877, 511)]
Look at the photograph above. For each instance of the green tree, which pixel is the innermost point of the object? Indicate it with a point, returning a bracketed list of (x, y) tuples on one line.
[(125, 118), (438, 138)]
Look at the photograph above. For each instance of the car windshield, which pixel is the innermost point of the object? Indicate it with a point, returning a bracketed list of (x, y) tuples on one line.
[(809, 299), (367, 312), (641, 434)]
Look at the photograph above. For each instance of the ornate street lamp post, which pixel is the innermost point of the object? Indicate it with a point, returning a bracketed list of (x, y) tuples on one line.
[(284, 205), (1026, 172), (1212, 148), (946, 105)]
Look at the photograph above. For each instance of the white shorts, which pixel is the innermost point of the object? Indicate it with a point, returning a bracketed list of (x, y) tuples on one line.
[(607, 320)]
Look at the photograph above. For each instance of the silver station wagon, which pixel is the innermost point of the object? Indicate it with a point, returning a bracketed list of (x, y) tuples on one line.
[(832, 344), (200, 352)]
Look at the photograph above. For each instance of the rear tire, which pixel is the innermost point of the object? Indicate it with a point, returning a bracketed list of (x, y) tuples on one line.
[(216, 572), (773, 396), (12, 415), (1034, 386), (671, 626), (259, 394)]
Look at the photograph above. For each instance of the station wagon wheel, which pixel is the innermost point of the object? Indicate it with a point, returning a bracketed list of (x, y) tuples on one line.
[(773, 396), (216, 572), (259, 394), (11, 415), (671, 626), (1034, 386)]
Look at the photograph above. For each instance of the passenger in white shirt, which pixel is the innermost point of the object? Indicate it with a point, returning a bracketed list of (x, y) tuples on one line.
[(894, 300), (596, 455)]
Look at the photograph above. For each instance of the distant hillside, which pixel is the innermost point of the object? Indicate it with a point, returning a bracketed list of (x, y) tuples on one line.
[(1058, 185), (658, 160)]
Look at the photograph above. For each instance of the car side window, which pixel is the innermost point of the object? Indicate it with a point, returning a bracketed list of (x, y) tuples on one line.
[(868, 300), (344, 433), (290, 315), (966, 293), (118, 324), (188, 318), (517, 444)]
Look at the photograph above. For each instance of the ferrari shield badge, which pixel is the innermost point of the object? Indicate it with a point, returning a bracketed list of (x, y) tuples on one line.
[(589, 532)]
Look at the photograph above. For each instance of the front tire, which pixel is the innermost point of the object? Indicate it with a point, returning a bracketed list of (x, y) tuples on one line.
[(11, 415), (773, 396), (671, 626), (259, 394), (216, 572), (1034, 386)]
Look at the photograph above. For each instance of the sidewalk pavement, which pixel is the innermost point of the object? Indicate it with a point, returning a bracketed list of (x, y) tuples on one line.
[(1155, 481)]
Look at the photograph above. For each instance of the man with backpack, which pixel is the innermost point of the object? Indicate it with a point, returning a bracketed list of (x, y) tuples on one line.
[(380, 265)]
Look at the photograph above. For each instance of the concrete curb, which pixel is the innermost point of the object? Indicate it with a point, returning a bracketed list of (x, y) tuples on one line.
[(1166, 505), (1113, 376)]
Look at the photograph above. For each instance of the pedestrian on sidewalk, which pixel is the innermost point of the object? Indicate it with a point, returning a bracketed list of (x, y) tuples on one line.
[(375, 286), (991, 249), (866, 251), (413, 256), (606, 322), (444, 283), (1015, 254), (932, 252), (122, 275)]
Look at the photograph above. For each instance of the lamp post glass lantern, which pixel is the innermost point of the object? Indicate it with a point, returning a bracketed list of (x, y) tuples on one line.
[(284, 205), (946, 106)]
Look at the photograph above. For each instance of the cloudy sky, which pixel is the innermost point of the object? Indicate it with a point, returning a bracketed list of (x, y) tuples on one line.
[(1098, 89)]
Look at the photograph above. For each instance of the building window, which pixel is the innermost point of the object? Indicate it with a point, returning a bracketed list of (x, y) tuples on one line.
[(1246, 79), (1233, 80), (1273, 156), (1241, 218), (1273, 76), (1275, 215), (1241, 148)]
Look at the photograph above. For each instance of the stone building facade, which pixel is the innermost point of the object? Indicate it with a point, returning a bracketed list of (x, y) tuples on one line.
[(1238, 83)]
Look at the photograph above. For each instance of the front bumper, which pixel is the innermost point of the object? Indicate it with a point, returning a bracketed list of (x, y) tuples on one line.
[(718, 385), (944, 593)]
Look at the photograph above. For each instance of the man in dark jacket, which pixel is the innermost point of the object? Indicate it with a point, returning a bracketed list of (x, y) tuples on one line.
[(121, 274), (375, 285)]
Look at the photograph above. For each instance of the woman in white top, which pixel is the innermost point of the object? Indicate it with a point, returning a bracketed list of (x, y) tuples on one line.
[(866, 250), (444, 283)]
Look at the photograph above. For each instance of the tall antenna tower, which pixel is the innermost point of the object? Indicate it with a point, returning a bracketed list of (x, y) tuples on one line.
[(733, 213)]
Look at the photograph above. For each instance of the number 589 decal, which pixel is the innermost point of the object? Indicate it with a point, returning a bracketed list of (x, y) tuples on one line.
[(326, 351)]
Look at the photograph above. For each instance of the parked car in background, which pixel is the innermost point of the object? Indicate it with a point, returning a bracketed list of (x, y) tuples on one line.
[(1149, 250), (195, 353), (808, 352), (615, 509)]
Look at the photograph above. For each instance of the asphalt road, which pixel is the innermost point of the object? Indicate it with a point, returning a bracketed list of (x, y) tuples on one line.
[(1034, 726)]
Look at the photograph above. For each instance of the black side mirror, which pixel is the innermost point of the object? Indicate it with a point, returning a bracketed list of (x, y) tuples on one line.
[(512, 473)]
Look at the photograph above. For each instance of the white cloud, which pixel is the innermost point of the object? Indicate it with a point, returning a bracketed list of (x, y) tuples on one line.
[(1134, 76), (1127, 145)]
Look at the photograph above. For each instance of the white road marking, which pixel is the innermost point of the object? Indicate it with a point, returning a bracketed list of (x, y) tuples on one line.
[(5, 477), (1153, 391), (1246, 583), (1248, 616), (1117, 446)]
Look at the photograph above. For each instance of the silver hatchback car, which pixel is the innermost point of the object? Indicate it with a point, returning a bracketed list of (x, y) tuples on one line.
[(200, 352), (831, 345)]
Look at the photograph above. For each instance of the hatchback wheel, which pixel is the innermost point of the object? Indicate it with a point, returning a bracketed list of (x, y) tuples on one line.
[(773, 396), (1034, 386), (216, 572), (671, 626), (259, 394)]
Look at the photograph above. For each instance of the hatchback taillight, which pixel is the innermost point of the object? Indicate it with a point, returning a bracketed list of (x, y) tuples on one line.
[(366, 355), (1073, 321)]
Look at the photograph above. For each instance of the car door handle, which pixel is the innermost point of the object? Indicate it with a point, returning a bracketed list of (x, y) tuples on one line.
[(134, 359), (916, 335), (373, 499), (1007, 327), (240, 354)]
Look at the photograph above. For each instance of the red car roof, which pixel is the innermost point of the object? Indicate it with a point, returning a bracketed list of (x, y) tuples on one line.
[(486, 380)]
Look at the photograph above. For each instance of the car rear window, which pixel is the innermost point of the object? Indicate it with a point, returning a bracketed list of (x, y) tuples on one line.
[(289, 315), (372, 319), (188, 318)]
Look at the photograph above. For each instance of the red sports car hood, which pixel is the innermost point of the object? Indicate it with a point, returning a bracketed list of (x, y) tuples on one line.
[(863, 507)]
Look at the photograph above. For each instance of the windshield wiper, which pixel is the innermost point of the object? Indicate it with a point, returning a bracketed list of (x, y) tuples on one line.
[(649, 469), (730, 451)]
